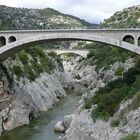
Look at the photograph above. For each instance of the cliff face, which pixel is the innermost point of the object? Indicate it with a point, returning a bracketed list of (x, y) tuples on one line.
[(82, 125), (27, 97)]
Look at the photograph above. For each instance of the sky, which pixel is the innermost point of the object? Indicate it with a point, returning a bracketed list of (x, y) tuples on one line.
[(94, 11)]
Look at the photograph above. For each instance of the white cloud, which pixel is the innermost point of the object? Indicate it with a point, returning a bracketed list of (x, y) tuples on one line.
[(91, 10)]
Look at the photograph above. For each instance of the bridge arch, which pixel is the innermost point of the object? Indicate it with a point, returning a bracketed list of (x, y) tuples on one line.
[(11, 48), (82, 53), (2, 41), (11, 39), (129, 38)]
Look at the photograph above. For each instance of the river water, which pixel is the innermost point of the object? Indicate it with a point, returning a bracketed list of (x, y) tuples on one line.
[(42, 128)]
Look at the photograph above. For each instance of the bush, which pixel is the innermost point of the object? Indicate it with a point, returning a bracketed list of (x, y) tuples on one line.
[(109, 97), (136, 102), (23, 56), (88, 103), (119, 71), (95, 114), (29, 72), (132, 136), (52, 54), (38, 68), (129, 76), (46, 64), (105, 55), (91, 53), (37, 63), (115, 123), (17, 70), (136, 83)]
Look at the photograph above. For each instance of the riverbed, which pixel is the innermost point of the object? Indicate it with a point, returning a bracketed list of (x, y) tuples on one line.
[(42, 128)]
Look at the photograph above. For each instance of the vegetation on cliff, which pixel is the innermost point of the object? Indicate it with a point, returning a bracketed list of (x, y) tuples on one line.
[(103, 56), (30, 63), (109, 97)]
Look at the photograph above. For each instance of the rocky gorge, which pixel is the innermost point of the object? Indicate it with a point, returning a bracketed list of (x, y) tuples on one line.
[(80, 125), (33, 81)]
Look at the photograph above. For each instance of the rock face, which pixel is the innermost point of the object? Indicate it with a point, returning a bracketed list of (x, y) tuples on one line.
[(88, 76), (83, 127), (29, 99), (67, 120), (44, 91)]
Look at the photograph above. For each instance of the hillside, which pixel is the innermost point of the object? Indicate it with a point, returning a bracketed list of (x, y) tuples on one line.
[(128, 18), (23, 18)]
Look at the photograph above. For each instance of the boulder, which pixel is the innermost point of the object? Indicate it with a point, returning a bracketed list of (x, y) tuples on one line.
[(59, 127)]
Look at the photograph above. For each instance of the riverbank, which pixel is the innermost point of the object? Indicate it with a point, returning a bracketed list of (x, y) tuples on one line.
[(42, 128)]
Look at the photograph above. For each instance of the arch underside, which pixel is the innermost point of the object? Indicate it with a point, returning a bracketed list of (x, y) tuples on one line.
[(11, 39), (129, 39), (9, 49)]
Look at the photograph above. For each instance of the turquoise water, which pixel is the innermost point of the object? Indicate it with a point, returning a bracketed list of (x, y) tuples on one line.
[(42, 128)]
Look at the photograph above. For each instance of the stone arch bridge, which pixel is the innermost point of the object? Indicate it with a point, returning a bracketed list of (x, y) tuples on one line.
[(12, 41)]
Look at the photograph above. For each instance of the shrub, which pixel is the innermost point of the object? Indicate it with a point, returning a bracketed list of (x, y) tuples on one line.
[(88, 103), (105, 55), (136, 102), (109, 97), (136, 83), (95, 114), (38, 68), (23, 56), (29, 72), (52, 54), (17, 70), (129, 76), (132, 136), (115, 123), (91, 53), (119, 71), (36, 51)]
